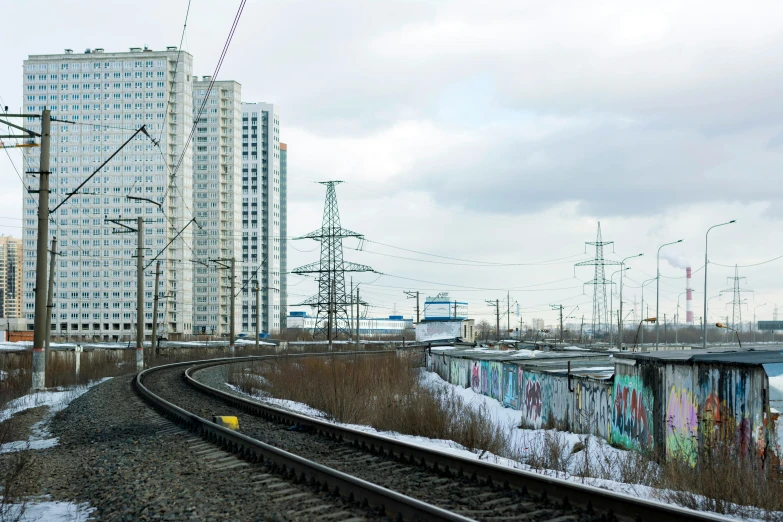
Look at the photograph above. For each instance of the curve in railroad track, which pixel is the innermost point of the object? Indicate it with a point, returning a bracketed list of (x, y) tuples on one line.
[(397, 478)]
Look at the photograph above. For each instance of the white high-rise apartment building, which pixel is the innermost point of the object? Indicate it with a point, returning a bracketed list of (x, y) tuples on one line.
[(103, 98), (262, 204), (217, 200)]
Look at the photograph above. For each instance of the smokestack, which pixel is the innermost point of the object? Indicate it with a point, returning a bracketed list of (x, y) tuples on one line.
[(688, 297)]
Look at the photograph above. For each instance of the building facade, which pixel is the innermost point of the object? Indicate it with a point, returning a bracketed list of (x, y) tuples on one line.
[(98, 100), (283, 235), (392, 325), (10, 277), (217, 193), (263, 245)]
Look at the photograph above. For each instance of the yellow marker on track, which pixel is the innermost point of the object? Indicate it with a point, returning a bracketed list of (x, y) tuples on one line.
[(229, 422)]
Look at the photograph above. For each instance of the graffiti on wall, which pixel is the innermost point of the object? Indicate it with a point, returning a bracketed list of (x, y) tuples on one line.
[(632, 415), (593, 407), (682, 424), (475, 376), (510, 386), (533, 403), (494, 379), (485, 377)]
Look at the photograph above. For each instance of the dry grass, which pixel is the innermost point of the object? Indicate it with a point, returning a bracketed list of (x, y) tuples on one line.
[(726, 482), (382, 391)]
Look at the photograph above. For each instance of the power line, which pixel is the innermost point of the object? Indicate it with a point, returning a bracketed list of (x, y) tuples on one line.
[(550, 261), (211, 84), (176, 66), (746, 266), (18, 175)]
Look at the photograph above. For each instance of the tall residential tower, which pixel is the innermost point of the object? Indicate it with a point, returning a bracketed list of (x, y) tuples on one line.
[(10, 277), (262, 245), (217, 194), (98, 100)]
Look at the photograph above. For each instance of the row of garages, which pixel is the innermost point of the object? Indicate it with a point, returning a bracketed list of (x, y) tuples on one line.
[(673, 403)]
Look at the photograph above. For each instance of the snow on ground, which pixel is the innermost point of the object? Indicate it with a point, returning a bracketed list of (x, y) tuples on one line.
[(56, 400), (527, 444), (48, 511)]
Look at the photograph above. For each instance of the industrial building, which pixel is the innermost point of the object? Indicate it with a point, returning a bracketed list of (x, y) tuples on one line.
[(393, 325)]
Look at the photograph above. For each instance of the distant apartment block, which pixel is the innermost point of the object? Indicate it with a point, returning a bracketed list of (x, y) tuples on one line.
[(221, 198), (283, 235), (10, 277), (217, 193), (102, 98), (263, 226)]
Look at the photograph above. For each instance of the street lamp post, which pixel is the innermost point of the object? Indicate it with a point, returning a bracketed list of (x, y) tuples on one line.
[(658, 285), (721, 325), (620, 332), (643, 312), (706, 262), (611, 304), (754, 320)]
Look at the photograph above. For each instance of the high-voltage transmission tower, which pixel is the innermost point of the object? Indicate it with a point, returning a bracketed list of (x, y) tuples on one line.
[(737, 301), (600, 313), (332, 303)]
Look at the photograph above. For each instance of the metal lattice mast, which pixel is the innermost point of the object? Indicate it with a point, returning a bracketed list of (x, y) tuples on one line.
[(737, 301), (331, 301), (599, 282)]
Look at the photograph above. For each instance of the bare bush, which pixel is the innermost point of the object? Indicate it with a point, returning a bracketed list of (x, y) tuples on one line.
[(382, 391)]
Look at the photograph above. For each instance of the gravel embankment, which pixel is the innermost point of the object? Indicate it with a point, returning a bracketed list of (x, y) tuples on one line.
[(127, 462), (469, 499)]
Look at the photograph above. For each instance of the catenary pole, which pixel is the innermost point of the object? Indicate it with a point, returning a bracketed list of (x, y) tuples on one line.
[(497, 315), (39, 328), (140, 294), (231, 305), (155, 310), (358, 317), (258, 316), (50, 298)]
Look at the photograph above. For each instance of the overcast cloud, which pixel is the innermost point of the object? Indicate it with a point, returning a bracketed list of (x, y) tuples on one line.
[(498, 132)]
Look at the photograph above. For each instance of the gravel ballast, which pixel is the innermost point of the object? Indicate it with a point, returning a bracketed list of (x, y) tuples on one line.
[(128, 463)]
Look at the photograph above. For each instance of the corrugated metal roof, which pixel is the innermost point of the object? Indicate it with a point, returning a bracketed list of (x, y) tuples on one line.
[(732, 355)]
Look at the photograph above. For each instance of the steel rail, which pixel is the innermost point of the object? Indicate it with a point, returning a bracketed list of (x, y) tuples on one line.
[(592, 498), (293, 466)]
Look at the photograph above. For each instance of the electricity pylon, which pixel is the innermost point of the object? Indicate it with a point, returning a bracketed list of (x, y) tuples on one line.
[(332, 303), (600, 313), (737, 301)]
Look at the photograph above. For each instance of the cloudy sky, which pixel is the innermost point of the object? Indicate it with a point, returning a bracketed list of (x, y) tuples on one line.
[(495, 135)]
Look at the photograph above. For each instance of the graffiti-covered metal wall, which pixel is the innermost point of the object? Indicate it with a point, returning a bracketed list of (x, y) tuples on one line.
[(670, 407)]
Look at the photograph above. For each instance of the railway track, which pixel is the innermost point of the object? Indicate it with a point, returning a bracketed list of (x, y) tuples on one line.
[(388, 476)]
